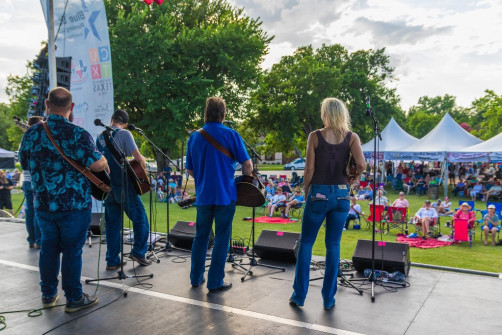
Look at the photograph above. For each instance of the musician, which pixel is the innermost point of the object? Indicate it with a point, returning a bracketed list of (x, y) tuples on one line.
[(62, 198), (32, 227), (213, 173), (327, 190), (133, 206), (6, 187)]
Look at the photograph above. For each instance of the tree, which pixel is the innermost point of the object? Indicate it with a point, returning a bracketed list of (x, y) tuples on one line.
[(168, 59), (287, 103), (489, 107)]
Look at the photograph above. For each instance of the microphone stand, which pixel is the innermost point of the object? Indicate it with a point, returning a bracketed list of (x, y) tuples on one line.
[(167, 246), (376, 137), (120, 274)]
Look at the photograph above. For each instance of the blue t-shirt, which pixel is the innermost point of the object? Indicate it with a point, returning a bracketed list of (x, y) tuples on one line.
[(213, 171), (58, 186)]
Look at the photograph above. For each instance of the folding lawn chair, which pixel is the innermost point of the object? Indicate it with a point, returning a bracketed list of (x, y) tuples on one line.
[(397, 217), (379, 210)]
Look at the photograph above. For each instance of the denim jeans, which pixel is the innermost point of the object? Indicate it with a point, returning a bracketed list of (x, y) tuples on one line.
[(223, 217), (135, 210), (62, 233), (330, 202), (34, 234)]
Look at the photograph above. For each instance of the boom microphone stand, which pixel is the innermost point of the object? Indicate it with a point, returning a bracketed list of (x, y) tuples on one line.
[(376, 137), (120, 274), (167, 246)]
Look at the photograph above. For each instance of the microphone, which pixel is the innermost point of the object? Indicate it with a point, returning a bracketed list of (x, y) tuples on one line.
[(98, 122), (368, 106), (130, 126)]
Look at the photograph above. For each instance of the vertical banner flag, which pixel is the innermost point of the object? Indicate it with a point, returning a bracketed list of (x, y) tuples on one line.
[(82, 33)]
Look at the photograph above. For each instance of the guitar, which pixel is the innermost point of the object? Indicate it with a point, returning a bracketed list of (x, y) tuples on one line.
[(138, 176), (351, 169), (250, 191), (101, 191)]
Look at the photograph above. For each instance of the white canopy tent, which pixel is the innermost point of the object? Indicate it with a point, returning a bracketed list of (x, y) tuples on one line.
[(393, 137), (447, 136), (483, 152), (6, 159)]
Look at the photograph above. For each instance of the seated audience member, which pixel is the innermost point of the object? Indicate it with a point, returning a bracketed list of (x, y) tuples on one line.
[(368, 194), (269, 190), (380, 199), (178, 195), (409, 185), (354, 212), (445, 207), (295, 202), (491, 223), (494, 191), (465, 213), (278, 200), (186, 196), (424, 217), (286, 188), (361, 194), (436, 205), (401, 201), (421, 187), (476, 190), (460, 187)]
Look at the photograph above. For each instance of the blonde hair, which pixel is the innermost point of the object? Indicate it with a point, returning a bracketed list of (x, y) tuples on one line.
[(335, 116)]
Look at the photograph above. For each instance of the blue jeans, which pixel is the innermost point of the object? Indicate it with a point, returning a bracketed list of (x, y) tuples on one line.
[(223, 217), (34, 233), (62, 233), (135, 210), (330, 202)]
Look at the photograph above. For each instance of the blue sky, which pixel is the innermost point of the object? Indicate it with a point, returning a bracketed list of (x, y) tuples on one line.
[(436, 47)]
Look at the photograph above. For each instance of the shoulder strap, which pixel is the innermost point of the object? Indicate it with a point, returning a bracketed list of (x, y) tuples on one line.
[(215, 144), (85, 171)]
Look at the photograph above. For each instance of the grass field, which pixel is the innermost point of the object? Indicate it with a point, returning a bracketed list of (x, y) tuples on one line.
[(477, 257)]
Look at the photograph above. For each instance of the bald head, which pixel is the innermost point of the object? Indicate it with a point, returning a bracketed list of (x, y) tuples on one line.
[(59, 101)]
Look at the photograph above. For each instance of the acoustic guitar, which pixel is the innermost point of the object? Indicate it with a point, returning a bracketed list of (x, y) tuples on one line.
[(138, 176), (250, 191)]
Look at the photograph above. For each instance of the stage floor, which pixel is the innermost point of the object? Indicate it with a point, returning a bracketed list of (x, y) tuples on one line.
[(436, 302)]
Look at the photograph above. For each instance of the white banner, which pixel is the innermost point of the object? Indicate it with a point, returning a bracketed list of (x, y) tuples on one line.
[(83, 35)]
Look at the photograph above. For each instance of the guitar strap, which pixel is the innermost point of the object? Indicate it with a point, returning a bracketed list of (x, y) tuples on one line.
[(216, 144), (83, 170)]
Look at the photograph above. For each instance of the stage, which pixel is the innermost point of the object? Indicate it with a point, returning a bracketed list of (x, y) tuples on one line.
[(436, 302)]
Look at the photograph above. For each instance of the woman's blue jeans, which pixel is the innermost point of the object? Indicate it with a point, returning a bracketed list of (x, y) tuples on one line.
[(62, 233), (34, 234), (330, 202), (223, 217)]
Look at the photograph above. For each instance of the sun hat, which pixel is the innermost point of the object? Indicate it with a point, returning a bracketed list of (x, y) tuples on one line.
[(465, 204), (491, 206)]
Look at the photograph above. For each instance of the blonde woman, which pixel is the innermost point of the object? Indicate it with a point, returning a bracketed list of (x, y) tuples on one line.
[(327, 191)]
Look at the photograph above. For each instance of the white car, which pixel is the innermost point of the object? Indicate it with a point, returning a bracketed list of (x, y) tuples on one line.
[(297, 164)]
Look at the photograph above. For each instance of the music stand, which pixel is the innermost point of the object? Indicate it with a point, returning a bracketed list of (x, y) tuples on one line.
[(120, 274)]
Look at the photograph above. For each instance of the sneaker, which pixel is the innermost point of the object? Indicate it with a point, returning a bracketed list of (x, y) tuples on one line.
[(424, 238), (142, 261), (50, 302), (84, 302), (114, 267)]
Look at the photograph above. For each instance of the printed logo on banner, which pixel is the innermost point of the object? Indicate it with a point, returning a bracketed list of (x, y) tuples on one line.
[(101, 66), (79, 72)]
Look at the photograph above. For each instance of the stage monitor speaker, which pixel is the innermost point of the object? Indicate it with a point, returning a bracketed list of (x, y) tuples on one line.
[(183, 233), (389, 256), (277, 245), (95, 226)]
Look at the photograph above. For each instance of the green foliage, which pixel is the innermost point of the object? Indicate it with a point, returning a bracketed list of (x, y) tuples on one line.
[(488, 110), (168, 59), (424, 116), (288, 100)]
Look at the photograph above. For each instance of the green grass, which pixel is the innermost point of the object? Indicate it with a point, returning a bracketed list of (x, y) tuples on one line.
[(270, 167), (477, 257)]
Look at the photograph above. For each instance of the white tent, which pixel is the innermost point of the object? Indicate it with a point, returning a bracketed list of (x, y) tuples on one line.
[(489, 150), (447, 136), (393, 137), (6, 159)]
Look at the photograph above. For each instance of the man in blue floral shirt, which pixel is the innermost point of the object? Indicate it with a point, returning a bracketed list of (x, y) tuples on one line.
[(62, 198)]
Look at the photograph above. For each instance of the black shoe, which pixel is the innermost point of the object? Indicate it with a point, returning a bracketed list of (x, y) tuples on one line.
[(294, 303), (84, 302), (201, 283), (142, 261), (424, 238), (114, 267), (224, 287)]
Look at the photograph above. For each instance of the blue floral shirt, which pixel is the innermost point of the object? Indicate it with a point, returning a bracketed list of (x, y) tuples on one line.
[(58, 186)]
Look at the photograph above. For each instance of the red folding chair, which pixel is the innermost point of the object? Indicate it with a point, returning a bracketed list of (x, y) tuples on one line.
[(379, 211), (397, 217), (462, 231)]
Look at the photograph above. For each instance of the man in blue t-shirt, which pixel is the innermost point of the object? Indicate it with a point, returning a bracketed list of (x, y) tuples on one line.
[(213, 173), (133, 206), (62, 198)]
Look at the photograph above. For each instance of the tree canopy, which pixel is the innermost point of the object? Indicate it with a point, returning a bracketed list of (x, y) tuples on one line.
[(287, 103), (168, 59)]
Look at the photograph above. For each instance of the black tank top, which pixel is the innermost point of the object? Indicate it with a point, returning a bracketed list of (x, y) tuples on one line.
[(331, 161)]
